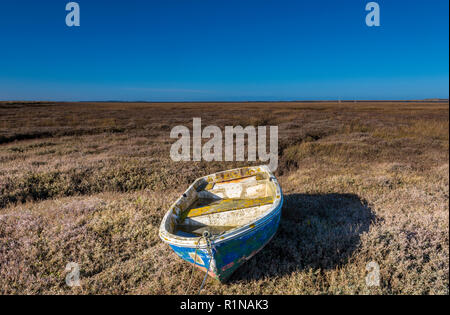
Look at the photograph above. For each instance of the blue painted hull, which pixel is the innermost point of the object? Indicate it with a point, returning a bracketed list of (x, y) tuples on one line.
[(230, 253)]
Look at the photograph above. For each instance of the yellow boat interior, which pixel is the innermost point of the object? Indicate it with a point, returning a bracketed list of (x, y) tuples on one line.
[(223, 201)]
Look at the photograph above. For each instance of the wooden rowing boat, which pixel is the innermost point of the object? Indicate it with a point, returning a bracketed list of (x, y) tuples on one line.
[(224, 219)]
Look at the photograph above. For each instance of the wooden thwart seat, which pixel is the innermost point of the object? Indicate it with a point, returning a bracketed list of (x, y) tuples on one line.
[(197, 209)]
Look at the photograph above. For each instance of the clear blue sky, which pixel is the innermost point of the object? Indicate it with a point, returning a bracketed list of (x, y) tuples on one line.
[(223, 50)]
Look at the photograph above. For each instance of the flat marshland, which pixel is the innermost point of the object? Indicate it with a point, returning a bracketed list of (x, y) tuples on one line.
[(90, 182)]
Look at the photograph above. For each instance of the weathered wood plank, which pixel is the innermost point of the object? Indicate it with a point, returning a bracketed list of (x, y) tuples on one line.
[(227, 205)]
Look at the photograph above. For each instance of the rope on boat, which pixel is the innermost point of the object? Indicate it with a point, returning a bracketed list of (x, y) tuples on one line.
[(206, 235)]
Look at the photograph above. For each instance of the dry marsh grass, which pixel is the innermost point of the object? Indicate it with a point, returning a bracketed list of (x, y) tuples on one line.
[(90, 183)]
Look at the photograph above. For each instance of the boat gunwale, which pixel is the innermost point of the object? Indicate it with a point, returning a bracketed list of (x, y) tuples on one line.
[(199, 242)]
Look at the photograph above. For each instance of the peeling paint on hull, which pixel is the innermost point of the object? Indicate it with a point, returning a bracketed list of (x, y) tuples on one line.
[(234, 247), (230, 255)]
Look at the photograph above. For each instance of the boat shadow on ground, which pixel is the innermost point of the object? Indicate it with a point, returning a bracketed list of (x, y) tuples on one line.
[(317, 231)]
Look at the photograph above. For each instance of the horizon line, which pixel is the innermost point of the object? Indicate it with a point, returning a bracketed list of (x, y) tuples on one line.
[(437, 99)]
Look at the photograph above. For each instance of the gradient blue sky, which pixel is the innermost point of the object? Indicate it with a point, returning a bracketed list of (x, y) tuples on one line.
[(231, 50)]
